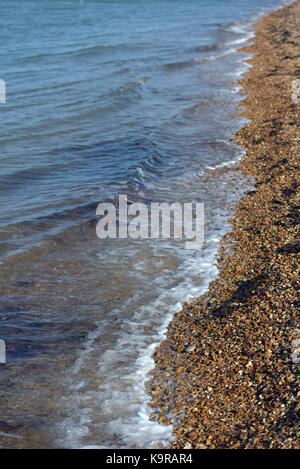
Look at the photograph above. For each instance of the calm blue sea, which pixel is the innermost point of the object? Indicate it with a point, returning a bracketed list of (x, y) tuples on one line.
[(135, 97)]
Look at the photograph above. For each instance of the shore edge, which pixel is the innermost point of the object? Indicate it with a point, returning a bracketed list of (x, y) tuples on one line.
[(227, 374)]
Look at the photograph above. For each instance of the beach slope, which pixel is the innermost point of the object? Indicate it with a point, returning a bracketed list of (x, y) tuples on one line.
[(227, 374)]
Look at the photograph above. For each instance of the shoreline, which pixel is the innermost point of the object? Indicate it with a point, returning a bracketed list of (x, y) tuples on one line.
[(227, 376)]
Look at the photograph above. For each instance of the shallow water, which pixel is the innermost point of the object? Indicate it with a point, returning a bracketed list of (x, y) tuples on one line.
[(106, 98)]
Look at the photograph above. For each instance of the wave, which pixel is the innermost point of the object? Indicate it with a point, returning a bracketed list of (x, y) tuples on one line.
[(207, 48), (174, 66), (241, 40), (78, 52), (215, 57), (133, 86), (199, 106), (237, 28)]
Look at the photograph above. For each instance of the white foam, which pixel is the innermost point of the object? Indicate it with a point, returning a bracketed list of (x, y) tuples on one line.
[(241, 40), (123, 398), (216, 56)]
